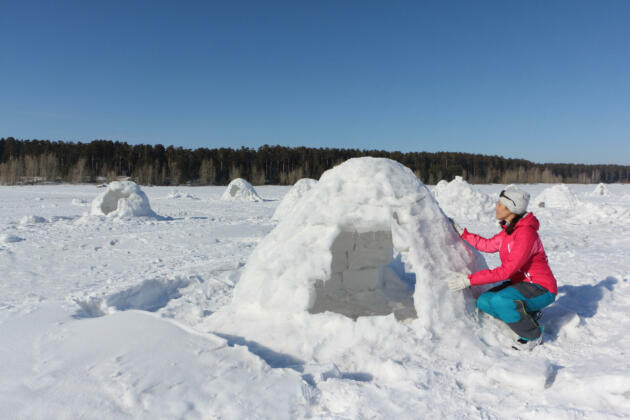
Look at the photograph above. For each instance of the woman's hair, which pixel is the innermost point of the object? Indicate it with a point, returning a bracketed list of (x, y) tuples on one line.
[(511, 226)]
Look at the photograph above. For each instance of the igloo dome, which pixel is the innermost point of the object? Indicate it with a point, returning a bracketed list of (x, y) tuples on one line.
[(122, 199), (240, 190), (368, 239), (558, 196), (294, 195), (601, 191), (460, 200)]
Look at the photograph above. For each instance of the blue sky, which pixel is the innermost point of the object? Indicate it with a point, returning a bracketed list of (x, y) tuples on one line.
[(547, 81)]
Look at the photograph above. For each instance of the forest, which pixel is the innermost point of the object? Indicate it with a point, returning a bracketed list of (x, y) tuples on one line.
[(38, 161)]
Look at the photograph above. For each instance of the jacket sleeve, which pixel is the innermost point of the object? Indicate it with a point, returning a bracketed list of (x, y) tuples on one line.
[(524, 241), (482, 244)]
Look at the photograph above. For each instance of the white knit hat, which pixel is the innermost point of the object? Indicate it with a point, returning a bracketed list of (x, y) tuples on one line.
[(515, 199)]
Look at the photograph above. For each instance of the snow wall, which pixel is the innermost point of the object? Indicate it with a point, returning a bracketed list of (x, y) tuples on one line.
[(240, 190), (369, 236), (294, 195), (122, 199)]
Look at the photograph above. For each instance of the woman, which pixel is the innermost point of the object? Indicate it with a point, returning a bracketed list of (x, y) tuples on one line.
[(531, 284)]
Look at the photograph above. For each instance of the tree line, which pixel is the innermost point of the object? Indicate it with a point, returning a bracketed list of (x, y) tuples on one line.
[(31, 161)]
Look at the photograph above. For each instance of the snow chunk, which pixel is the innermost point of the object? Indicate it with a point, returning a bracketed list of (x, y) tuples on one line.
[(342, 234), (558, 196), (122, 199), (31, 220), (79, 203), (294, 195), (240, 190), (7, 238), (461, 201), (174, 195)]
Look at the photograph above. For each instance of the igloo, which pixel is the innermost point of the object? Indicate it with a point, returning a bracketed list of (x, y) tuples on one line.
[(240, 190), (460, 200), (368, 239), (601, 191), (291, 198), (558, 196), (122, 199)]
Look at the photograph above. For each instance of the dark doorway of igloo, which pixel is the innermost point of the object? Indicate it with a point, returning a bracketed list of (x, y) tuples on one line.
[(367, 278)]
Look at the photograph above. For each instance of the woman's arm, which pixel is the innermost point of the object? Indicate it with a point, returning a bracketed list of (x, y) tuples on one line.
[(482, 244), (524, 241)]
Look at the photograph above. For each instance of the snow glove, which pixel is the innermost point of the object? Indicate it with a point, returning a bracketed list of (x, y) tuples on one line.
[(458, 228), (458, 281)]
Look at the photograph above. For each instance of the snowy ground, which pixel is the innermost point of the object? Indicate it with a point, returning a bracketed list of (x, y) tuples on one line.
[(103, 318)]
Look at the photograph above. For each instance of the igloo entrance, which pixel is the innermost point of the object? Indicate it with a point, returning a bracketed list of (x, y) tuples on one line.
[(366, 279)]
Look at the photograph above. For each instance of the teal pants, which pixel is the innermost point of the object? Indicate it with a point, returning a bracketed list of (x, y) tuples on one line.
[(514, 304)]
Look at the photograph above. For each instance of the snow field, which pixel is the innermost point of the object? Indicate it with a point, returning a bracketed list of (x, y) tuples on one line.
[(121, 317)]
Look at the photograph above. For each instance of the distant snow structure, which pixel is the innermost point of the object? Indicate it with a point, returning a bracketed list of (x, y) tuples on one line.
[(460, 200), (240, 190), (368, 239), (175, 195), (601, 191), (122, 199), (558, 196), (290, 200)]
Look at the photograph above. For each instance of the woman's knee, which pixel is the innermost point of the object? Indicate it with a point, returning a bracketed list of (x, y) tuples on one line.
[(483, 302)]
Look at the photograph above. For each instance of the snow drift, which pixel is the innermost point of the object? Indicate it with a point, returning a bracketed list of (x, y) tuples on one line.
[(294, 195), (369, 239), (558, 196), (240, 190), (122, 199), (460, 200)]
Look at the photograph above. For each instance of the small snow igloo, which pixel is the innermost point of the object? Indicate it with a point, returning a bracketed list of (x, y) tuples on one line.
[(122, 199), (240, 190), (368, 239)]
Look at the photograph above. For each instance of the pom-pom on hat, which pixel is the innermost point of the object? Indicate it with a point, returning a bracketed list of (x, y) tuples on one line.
[(515, 199)]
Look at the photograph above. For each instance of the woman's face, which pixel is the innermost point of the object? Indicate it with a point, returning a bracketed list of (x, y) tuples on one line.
[(501, 211)]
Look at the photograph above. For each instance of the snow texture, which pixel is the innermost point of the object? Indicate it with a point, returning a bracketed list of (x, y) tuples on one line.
[(461, 201), (294, 195), (240, 190), (122, 199), (556, 197), (138, 319)]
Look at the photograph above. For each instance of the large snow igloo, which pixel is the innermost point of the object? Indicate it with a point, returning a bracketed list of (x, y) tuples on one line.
[(368, 239)]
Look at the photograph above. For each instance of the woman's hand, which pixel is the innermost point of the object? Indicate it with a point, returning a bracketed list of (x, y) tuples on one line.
[(458, 228), (458, 281)]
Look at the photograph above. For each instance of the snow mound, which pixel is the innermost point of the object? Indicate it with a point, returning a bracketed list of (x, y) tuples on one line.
[(175, 195), (557, 196), (79, 203), (601, 191), (461, 201), (8, 238), (294, 195), (31, 220), (240, 190), (122, 199), (369, 239)]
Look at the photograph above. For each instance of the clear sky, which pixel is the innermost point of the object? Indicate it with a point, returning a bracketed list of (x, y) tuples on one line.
[(547, 81)]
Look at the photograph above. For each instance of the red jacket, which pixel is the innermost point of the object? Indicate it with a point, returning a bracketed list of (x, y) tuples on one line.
[(522, 256)]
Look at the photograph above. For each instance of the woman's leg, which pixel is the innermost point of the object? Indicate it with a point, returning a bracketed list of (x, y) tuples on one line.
[(511, 305)]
